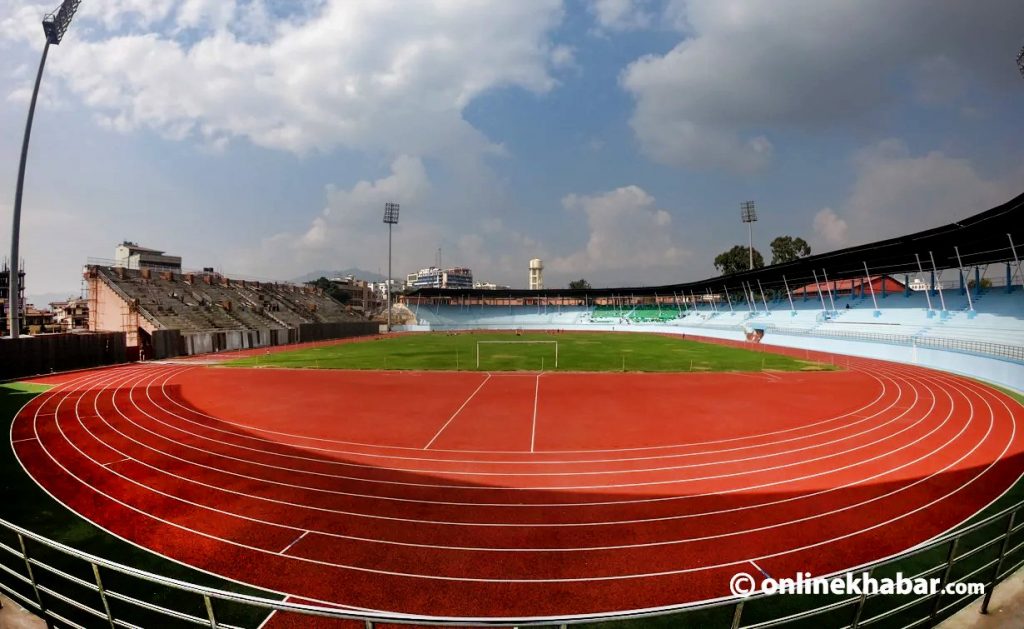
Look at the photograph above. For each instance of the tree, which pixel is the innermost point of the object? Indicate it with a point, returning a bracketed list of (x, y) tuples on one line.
[(331, 289), (737, 259), (787, 248), (580, 284)]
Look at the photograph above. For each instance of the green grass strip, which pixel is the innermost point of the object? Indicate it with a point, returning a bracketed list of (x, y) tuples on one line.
[(589, 351)]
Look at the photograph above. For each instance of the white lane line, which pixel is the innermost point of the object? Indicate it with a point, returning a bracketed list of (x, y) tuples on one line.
[(532, 474), (294, 542), (23, 440), (760, 569), (855, 414), (135, 384), (561, 580), (127, 458), (456, 413), (536, 396), (248, 427), (228, 472)]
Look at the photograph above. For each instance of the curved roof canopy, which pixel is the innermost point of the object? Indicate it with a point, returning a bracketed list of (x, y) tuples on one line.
[(981, 239)]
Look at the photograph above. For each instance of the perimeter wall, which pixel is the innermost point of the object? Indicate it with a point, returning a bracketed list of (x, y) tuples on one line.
[(48, 353), (171, 343)]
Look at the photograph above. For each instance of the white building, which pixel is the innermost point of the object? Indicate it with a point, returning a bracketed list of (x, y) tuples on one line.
[(536, 274), (918, 284), (434, 277), (489, 286), (131, 256)]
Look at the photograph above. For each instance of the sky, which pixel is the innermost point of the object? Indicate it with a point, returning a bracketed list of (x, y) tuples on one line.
[(614, 139)]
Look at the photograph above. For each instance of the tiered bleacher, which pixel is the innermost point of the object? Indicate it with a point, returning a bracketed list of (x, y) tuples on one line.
[(205, 301), (166, 314), (991, 322)]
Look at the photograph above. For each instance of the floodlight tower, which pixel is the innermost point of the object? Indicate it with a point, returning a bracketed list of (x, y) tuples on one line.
[(390, 218), (54, 26), (749, 215)]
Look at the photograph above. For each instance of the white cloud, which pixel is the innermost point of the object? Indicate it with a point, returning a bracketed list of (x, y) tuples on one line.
[(898, 193), (628, 237), (367, 75), (349, 230), (746, 68), (621, 15), (829, 227)]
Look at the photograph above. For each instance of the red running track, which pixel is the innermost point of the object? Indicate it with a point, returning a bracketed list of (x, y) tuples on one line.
[(519, 495)]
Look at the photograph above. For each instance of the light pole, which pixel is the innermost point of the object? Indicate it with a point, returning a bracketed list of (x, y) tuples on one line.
[(1020, 61), (749, 216), (391, 218), (54, 26)]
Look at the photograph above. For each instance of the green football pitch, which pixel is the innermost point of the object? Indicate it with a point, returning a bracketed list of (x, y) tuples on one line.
[(586, 351)]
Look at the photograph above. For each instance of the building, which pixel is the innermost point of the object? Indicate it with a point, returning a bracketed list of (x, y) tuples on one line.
[(5, 275), (38, 321), (536, 274), (917, 284), (434, 277), (72, 314), (489, 286), (131, 256), (880, 285), (357, 294)]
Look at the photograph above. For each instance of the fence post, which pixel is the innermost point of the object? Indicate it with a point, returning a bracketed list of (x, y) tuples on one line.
[(999, 564), (950, 557), (35, 584), (859, 611), (209, 611), (103, 595), (737, 615)]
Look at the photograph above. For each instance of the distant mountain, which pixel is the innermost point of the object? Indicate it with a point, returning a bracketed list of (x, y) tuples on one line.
[(360, 274)]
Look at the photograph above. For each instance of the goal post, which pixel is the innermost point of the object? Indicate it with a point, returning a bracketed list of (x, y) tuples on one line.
[(479, 343)]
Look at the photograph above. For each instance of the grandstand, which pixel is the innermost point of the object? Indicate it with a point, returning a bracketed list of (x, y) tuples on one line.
[(861, 293), (209, 310)]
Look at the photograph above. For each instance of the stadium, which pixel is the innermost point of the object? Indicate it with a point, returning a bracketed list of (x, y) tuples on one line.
[(206, 449)]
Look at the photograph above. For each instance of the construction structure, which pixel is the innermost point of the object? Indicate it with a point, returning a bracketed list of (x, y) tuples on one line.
[(5, 300), (209, 312), (536, 274)]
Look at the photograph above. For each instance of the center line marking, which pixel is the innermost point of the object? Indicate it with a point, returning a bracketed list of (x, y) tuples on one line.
[(296, 541), (533, 429), (455, 414)]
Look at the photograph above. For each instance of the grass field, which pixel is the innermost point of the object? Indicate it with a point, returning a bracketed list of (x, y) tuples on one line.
[(586, 351)]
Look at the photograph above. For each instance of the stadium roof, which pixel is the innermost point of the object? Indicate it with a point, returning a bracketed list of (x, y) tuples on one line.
[(982, 239)]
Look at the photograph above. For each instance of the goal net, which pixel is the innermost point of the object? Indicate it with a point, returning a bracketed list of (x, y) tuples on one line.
[(483, 347)]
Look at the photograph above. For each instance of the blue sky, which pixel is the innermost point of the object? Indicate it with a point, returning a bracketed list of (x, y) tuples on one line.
[(614, 139)]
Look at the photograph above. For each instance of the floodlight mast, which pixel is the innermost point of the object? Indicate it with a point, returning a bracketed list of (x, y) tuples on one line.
[(749, 215), (390, 218), (54, 26)]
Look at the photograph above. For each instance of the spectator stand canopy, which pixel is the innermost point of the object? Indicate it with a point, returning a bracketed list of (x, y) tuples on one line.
[(991, 237)]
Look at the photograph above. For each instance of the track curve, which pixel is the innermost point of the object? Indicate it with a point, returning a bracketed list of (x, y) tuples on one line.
[(440, 507)]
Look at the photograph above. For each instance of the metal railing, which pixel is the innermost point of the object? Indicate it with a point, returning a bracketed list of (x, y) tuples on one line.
[(985, 348), (83, 586)]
